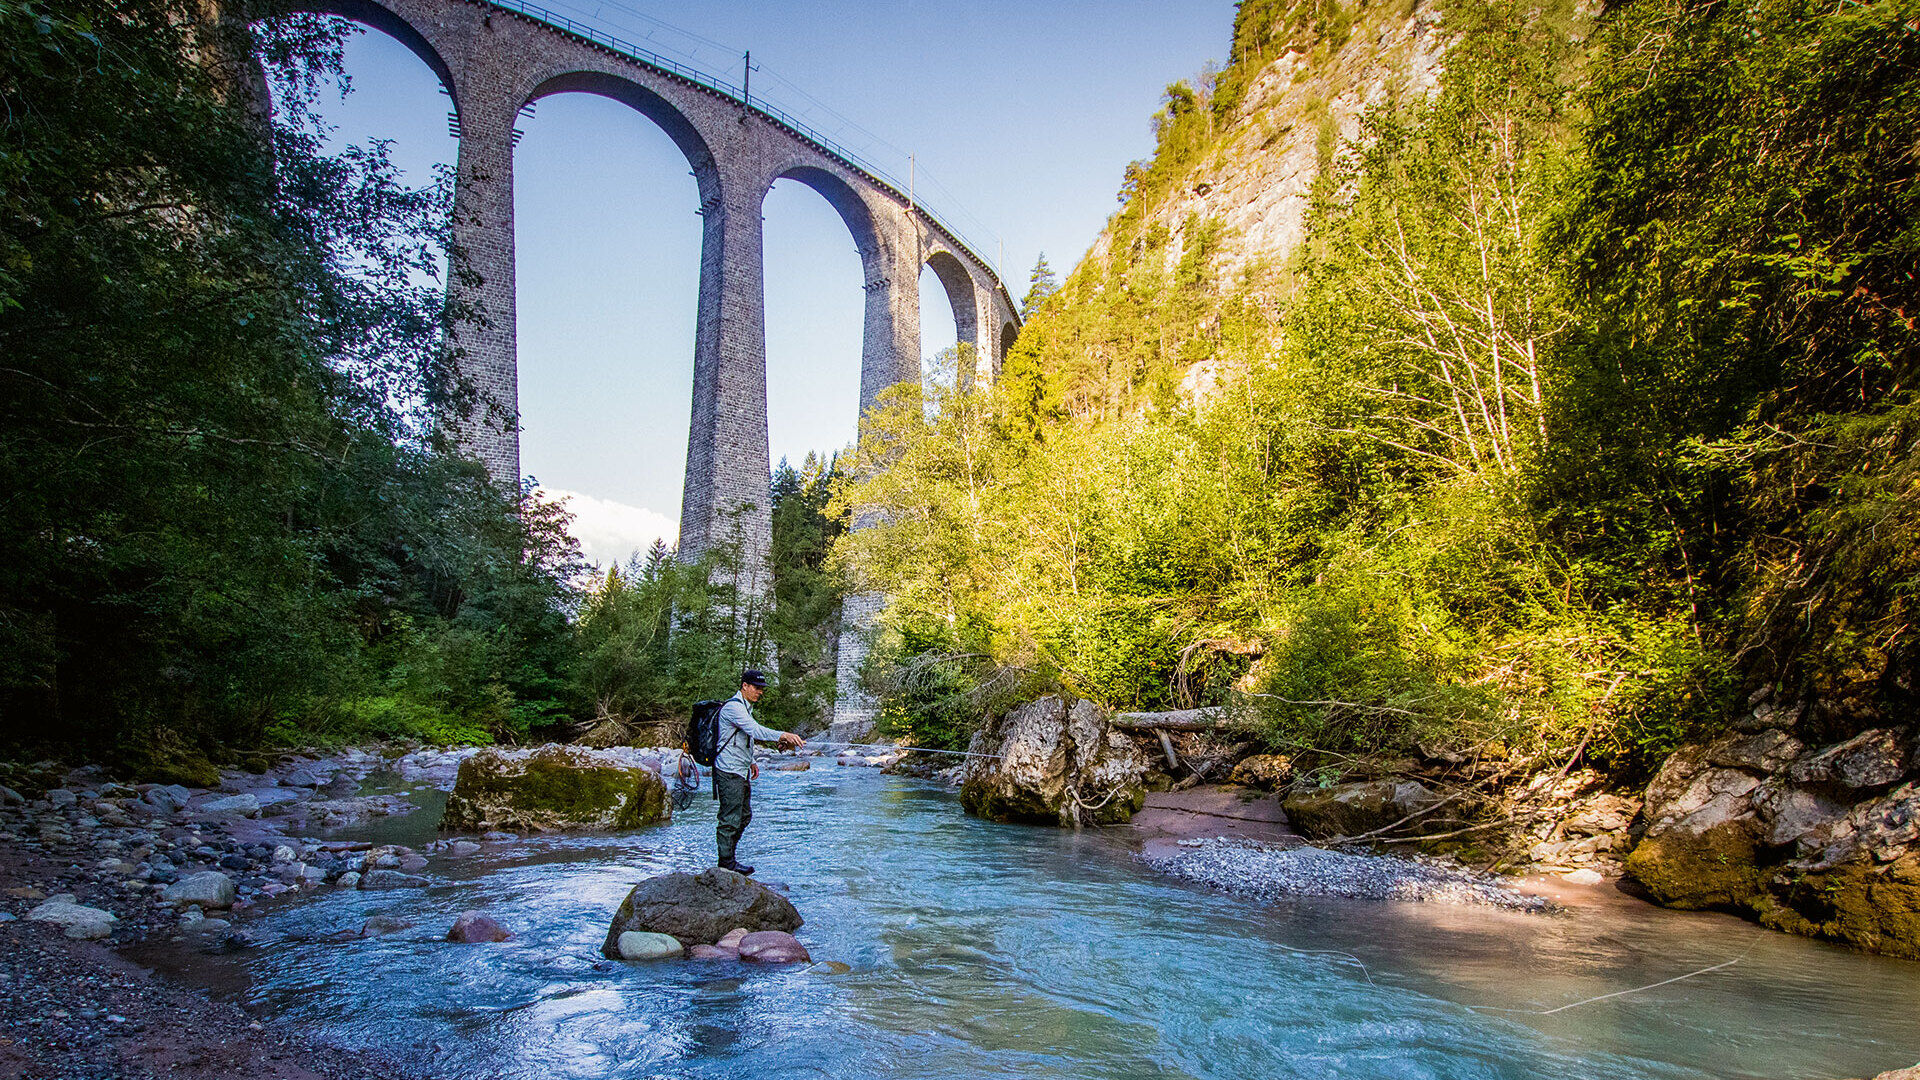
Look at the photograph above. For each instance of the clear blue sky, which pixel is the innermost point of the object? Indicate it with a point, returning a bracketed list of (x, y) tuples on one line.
[(1020, 117)]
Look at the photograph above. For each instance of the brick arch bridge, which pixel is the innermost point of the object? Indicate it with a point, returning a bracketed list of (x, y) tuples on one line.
[(494, 60)]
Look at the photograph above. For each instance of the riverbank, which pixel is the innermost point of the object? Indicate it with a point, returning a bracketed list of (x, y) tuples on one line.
[(79, 1010)]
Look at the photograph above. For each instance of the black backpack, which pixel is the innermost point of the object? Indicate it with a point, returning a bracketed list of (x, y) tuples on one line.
[(703, 732)]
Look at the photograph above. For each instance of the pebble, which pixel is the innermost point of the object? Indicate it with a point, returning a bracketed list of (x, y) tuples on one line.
[(1268, 872)]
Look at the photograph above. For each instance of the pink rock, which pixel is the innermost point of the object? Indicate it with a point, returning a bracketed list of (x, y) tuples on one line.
[(780, 954), (732, 940), (473, 927), (712, 952), (772, 947)]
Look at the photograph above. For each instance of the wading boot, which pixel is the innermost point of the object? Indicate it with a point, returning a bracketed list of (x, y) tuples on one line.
[(736, 867)]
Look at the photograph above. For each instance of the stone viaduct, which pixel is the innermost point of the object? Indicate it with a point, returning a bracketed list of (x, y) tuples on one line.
[(497, 59)]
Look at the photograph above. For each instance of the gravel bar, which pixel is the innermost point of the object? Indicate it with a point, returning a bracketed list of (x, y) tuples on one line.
[(1264, 871)]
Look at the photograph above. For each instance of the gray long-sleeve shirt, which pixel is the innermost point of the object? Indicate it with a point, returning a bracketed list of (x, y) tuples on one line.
[(738, 730)]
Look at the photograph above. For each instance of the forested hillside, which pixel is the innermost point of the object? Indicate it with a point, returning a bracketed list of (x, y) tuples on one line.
[(1578, 410)]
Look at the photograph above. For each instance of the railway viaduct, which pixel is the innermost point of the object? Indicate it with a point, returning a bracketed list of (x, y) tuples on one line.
[(496, 59)]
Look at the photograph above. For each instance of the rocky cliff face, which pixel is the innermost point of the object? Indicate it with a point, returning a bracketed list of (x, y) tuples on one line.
[(1222, 208), (1254, 179)]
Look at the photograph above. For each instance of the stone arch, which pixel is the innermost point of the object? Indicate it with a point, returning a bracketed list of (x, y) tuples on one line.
[(959, 284), (845, 201), (1009, 330), (648, 104), (368, 13)]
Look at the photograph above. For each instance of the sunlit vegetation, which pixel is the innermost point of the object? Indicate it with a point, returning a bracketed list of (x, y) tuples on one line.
[(1586, 410)]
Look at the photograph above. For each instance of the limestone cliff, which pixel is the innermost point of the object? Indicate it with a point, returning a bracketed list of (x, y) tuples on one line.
[(1300, 83), (1213, 220)]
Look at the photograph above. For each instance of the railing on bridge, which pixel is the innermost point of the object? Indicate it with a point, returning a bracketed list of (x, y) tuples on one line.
[(728, 90)]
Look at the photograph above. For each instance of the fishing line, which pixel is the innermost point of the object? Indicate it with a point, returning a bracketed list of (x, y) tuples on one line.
[(1623, 993), (1334, 952), (917, 749)]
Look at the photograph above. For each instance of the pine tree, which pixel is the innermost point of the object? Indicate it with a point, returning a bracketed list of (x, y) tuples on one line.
[(1041, 283)]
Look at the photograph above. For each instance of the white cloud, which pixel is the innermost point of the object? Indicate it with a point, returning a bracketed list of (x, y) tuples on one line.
[(611, 531)]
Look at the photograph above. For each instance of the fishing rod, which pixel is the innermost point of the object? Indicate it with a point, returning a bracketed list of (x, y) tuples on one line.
[(917, 749)]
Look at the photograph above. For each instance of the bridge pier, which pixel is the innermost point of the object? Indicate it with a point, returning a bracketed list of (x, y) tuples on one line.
[(727, 495), (482, 388)]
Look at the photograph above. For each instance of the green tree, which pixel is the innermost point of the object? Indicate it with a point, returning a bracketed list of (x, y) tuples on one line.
[(226, 517)]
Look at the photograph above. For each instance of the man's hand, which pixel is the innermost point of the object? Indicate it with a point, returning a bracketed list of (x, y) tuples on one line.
[(790, 741)]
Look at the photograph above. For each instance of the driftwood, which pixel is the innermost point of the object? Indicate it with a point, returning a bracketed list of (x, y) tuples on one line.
[(1210, 719)]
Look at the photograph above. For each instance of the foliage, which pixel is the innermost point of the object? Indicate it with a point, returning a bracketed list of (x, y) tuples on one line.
[(1746, 222), (659, 633), (1586, 411), (227, 518)]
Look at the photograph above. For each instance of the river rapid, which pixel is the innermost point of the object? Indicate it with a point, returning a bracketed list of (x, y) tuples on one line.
[(982, 950)]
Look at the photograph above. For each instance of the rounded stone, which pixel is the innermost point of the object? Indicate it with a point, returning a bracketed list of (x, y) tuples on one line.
[(640, 945), (208, 889), (475, 927), (772, 947)]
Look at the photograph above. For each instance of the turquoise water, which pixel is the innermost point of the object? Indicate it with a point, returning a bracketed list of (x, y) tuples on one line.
[(983, 950)]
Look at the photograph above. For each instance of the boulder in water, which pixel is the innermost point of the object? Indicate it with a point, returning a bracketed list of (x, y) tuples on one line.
[(474, 927), (639, 945), (391, 879), (773, 947), (698, 908), (554, 788), (379, 925), (712, 952), (1053, 763)]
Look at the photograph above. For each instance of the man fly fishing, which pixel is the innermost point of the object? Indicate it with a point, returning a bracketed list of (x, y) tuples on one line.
[(733, 766)]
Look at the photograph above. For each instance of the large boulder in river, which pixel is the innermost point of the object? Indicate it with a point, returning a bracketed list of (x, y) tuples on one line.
[(554, 788), (1347, 810), (699, 909), (1052, 763)]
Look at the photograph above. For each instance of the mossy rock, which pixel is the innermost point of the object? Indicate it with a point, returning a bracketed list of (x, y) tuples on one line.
[(188, 770), (1713, 869), (1861, 904), (1355, 809), (555, 788)]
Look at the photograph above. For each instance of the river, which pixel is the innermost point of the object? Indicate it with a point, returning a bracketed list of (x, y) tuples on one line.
[(983, 950)]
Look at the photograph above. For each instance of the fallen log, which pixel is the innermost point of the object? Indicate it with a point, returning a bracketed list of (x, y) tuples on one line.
[(1208, 719)]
